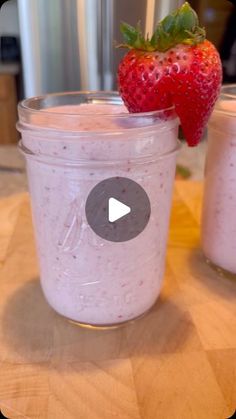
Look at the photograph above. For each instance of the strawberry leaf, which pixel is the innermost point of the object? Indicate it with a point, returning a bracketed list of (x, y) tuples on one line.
[(169, 23), (181, 26), (133, 36), (188, 19), (130, 33)]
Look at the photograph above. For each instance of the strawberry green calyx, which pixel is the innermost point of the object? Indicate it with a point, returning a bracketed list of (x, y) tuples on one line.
[(179, 27)]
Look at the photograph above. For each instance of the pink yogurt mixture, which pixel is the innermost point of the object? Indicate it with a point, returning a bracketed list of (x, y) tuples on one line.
[(219, 206), (83, 276)]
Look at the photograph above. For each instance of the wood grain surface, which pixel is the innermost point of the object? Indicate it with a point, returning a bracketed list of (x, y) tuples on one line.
[(178, 362)]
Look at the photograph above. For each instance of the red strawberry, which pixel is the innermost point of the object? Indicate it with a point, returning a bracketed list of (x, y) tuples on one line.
[(177, 66)]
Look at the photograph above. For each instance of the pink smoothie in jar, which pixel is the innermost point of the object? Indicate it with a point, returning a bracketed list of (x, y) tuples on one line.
[(72, 142), (219, 203)]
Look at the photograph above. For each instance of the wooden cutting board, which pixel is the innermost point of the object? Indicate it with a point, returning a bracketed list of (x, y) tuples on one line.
[(178, 362)]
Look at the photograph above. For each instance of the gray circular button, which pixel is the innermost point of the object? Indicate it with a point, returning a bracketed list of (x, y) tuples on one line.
[(118, 209)]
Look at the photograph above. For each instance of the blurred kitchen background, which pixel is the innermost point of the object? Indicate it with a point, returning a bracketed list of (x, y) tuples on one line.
[(57, 45)]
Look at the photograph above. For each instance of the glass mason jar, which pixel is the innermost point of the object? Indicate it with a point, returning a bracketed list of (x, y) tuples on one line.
[(72, 142), (219, 202)]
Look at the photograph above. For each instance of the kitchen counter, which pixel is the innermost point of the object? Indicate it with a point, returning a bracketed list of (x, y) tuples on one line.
[(12, 171), (177, 362)]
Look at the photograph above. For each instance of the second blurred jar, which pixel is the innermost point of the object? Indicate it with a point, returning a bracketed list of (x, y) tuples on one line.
[(219, 203)]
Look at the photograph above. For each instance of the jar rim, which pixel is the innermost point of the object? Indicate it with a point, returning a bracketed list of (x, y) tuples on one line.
[(226, 103), (32, 105), (228, 91), (69, 119)]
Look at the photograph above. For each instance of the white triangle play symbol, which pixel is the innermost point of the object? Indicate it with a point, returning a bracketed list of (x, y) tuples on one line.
[(117, 209)]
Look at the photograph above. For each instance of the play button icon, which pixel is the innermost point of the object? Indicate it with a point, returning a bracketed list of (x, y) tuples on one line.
[(117, 209)]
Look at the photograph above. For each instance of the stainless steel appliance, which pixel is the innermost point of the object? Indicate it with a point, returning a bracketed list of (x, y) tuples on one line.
[(69, 44)]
